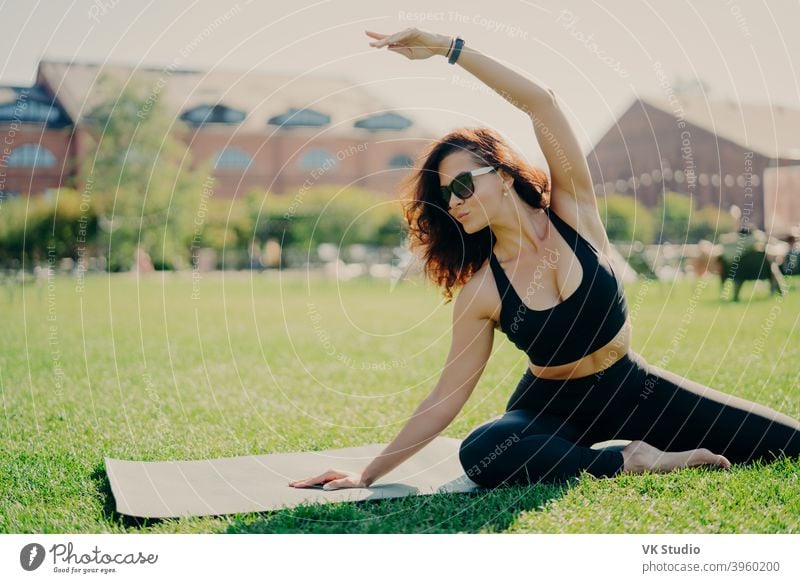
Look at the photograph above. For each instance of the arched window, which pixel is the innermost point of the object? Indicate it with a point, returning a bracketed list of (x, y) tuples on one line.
[(232, 158), (31, 156), (401, 161), (317, 158), (213, 114)]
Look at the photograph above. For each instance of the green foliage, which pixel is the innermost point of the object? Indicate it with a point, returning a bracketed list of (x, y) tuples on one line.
[(38, 228), (141, 180), (12, 229), (227, 224), (677, 221), (709, 222), (625, 219), (674, 220), (326, 214), (672, 216)]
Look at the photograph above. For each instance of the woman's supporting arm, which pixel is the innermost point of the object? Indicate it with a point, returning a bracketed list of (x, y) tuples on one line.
[(425, 424), (473, 337), (567, 164)]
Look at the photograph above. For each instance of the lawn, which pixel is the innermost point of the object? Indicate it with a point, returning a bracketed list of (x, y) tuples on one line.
[(237, 364)]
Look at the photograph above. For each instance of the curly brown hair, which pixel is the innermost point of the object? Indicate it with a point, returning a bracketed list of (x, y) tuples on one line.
[(451, 254)]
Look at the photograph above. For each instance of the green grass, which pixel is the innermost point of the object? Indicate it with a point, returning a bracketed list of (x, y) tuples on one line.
[(255, 365)]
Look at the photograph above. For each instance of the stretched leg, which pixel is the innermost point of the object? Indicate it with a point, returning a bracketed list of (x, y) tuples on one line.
[(676, 413), (527, 446)]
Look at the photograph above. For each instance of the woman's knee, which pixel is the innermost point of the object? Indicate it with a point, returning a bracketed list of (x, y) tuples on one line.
[(495, 454), (481, 451), (492, 454)]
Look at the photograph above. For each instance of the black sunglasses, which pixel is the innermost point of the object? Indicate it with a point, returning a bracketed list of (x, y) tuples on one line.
[(462, 185)]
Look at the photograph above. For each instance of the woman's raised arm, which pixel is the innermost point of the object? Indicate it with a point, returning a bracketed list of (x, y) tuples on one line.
[(568, 168), (569, 171)]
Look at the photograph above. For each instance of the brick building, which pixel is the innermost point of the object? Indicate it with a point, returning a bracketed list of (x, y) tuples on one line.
[(271, 131), (717, 152)]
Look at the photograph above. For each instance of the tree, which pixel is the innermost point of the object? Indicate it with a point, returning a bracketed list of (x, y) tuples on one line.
[(672, 218), (140, 178)]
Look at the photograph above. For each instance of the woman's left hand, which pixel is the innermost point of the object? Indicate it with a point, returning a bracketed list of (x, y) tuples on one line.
[(333, 480)]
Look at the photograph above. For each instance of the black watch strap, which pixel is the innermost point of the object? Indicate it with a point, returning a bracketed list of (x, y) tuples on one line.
[(457, 45)]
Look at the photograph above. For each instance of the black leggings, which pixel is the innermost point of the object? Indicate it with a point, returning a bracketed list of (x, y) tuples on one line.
[(548, 426)]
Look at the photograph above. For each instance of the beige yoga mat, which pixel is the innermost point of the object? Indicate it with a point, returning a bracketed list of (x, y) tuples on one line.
[(258, 483)]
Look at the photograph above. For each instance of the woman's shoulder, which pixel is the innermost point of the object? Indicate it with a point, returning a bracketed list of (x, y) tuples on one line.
[(479, 293)]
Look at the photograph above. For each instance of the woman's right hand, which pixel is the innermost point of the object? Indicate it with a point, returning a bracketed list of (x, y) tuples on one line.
[(333, 480), (413, 43)]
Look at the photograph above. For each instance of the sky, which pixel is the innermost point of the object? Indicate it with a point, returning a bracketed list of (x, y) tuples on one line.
[(596, 56)]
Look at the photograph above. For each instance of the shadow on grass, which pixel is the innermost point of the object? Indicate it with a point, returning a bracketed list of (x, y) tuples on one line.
[(110, 514), (490, 510)]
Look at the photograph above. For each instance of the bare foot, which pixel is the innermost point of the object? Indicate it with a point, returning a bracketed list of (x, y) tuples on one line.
[(639, 456)]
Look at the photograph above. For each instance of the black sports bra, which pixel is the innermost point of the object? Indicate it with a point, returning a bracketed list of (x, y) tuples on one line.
[(584, 322)]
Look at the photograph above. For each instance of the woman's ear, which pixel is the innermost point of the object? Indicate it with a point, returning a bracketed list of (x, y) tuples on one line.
[(508, 180)]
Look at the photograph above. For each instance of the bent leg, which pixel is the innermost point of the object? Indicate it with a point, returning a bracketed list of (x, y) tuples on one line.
[(680, 414), (524, 446)]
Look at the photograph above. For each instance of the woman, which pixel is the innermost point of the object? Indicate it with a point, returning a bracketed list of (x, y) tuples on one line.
[(531, 257)]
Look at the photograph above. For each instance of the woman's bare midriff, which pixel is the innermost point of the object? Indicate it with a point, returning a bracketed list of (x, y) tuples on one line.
[(598, 360)]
